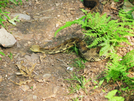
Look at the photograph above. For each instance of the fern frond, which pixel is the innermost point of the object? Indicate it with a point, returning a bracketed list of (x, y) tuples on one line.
[(69, 23)]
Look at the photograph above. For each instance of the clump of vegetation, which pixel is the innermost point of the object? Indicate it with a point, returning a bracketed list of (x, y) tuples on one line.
[(3, 13), (109, 34), (2, 54), (111, 96)]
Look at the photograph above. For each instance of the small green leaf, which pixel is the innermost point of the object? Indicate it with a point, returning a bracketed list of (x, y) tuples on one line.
[(2, 53), (100, 83), (111, 94), (12, 21)]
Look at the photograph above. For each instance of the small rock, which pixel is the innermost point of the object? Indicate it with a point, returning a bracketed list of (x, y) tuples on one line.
[(34, 97), (57, 25), (58, 15), (6, 39), (0, 78), (20, 100), (34, 57), (72, 12), (55, 89), (24, 87), (46, 76), (57, 4), (28, 57), (70, 68), (21, 16)]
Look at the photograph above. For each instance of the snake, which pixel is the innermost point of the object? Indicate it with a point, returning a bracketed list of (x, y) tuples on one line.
[(89, 54)]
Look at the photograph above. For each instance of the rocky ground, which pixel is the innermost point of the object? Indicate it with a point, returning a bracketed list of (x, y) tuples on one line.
[(44, 17)]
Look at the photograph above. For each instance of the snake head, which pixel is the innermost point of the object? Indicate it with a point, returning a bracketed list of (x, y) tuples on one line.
[(35, 48)]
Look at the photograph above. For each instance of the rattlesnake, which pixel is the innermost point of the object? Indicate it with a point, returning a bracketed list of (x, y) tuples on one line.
[(89, 54)]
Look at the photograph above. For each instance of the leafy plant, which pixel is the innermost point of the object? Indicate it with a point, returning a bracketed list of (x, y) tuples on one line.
[(10, 56), (3, 3), (80, 83), (105, 31), (98, 85), (118, 72), (2, 54), (12, 21), (109, 34), (129, 13), (111, 96), (3, 14), (120, 67), (77, 99), (78, 64)]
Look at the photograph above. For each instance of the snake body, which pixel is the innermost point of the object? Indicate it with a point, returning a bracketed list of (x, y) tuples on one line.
[(89, 54)]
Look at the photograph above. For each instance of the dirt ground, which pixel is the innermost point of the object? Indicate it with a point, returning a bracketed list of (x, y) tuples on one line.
[(50, 71)]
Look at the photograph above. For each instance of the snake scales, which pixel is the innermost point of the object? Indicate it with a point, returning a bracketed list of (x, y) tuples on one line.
[(89, 54)]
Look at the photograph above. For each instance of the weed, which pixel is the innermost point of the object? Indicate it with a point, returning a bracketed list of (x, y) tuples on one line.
[(10, 56), (111, 96), (78, 64), (98, 85), (118, 70), (12, 21), (80, 83), (31, 87), (77, 99), (3, 14), (2, 54)]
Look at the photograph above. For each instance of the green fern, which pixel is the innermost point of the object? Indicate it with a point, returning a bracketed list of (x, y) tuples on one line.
[(118, 70), (128, 59), (110, 33), (69, 24)]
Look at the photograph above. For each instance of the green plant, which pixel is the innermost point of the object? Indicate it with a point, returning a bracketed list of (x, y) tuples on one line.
[(10, 56), (98, 85), (111, 96), (129, 13), (3, 14), (118, 70), (4, 3), (78, 64), (109, 34), (80, 83), (12, 21), (116, 0), (2, 54), (77, 99), (105, 31)]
